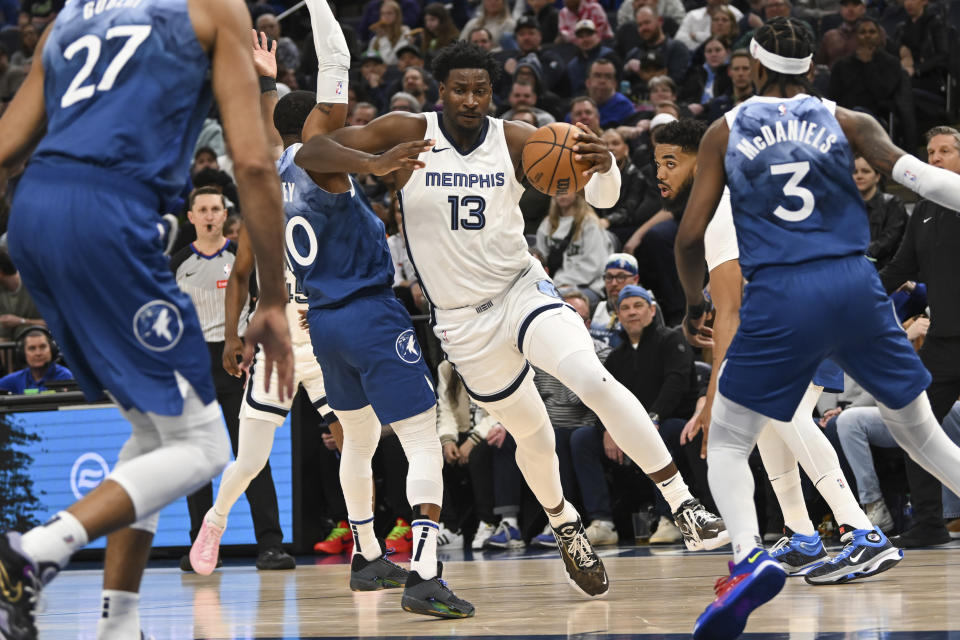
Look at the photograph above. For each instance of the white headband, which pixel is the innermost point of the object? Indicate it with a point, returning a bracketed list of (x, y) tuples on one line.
[(774, 62)]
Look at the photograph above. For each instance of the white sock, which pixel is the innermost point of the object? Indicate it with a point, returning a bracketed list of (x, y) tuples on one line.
[(215, 517), (364, 539), (567, 514), (56, 540), (846, 510), (511, 521), (790, 496), (674, 491), (424, 556), (119, 616)]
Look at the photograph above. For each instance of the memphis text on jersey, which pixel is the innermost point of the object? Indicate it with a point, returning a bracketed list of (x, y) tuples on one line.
[(795, 131), (455, 179)]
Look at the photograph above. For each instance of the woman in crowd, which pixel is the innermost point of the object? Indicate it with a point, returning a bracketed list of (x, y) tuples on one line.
[(493, 16), (390, 32)]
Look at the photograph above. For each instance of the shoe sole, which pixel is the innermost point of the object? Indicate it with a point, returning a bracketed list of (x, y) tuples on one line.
[(722, 540), (886, 560), (513, 544), (200, 567), (435, 609), (379, 584), (593, 596), (793, 571), (728, 623)]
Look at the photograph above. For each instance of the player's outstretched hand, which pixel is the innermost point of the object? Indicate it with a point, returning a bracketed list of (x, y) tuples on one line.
[(232, 351), (268, 328), (403, 156), (264, 55), (592, 149)]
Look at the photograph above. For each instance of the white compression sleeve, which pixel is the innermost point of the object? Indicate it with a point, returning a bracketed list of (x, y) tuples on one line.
[(603, 189), (333, 56), (933, 183)]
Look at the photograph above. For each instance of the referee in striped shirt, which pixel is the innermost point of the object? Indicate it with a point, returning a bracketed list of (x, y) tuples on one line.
[(202, 270)]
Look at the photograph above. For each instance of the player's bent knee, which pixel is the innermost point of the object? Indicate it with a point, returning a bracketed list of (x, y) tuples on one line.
[(148, 524), (418, 437), (913, 425), (522, 413)]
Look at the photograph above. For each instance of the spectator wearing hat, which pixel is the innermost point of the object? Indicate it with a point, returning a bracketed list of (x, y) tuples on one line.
[(496, 19), (544, 74), (651, 39), (589, 48), (39, 352), (376, 78), (546, 15), (619, 272), (529, 38), (695, 28), (601, 83), (408, 56), (574, 12), (672, 12), (656, 365)]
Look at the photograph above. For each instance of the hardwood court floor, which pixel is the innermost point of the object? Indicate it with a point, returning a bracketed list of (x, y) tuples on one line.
[(654, 594)]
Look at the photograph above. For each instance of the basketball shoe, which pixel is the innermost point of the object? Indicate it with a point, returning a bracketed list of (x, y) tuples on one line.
[(752, 582), (374, 575), (339, 540), (866, 552), (433, 597), (585, 571), (796, 552), (205, 550), (546, 539), (700, 528), (400, 538), (20, 587), (484, 531), (505, 537)]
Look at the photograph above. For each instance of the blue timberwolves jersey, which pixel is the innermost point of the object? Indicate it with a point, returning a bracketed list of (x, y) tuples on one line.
[(336, 245), (789, 169), (126, 88)]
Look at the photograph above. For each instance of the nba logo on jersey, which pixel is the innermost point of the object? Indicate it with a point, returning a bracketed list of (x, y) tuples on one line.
[(158, 325), (339, 90), (407, 347)]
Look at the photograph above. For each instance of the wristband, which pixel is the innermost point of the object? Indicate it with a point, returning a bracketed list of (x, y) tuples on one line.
[(695, 312), (267, 84)]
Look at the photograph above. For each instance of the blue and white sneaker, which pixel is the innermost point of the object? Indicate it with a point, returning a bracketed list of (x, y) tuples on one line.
[(505, 537), (752, 582), (796, 552), (546, 539), (866, 552)]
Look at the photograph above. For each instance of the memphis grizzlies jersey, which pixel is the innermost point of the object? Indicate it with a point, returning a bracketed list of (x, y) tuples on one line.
[(790, 173), (336, 245), (462, 220), (126, 88)]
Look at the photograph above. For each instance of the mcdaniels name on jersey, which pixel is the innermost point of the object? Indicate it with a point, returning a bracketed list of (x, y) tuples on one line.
[(794, 131)]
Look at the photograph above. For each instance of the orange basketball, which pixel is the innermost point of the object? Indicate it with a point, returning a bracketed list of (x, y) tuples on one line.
[(548, 160)]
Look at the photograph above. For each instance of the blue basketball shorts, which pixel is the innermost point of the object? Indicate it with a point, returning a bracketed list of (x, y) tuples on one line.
[(88, 247), (795, 316), (370, 356)]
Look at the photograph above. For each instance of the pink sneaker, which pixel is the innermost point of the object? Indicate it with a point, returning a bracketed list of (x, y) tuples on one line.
[(206, 548)]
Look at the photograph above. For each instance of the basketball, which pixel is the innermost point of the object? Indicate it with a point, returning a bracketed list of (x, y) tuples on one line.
[(549, 163)]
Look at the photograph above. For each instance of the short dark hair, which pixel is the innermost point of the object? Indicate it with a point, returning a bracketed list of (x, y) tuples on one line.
[(208, 150), (292, 111), (790, 38), (464, 55), (7, 267), (685, 133), (584, 99), (740, 53), (205, 191), (616, 71)]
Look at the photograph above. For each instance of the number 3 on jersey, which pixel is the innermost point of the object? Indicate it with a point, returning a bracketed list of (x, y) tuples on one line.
[(474, 206), (798, 171), (135, 34)]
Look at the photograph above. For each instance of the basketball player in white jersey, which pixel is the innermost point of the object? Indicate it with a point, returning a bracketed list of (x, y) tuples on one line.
[(494, 307), (781, 444)]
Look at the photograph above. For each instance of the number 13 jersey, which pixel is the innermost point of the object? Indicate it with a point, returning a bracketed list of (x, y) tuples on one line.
[(790, 173), (462, 220)]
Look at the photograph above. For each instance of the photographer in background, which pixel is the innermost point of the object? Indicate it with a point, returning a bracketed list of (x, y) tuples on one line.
[(38, 350)]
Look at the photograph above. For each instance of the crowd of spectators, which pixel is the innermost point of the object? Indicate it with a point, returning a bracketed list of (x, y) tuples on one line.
[(623, 68)]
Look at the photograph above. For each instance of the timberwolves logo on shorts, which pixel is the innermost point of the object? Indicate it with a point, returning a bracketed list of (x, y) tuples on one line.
[(407, 347), (158, 326)]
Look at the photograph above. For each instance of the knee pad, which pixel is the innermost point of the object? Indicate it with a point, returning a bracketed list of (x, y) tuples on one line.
[(148, 524), (913, 425), (418, 436), (522, 413)]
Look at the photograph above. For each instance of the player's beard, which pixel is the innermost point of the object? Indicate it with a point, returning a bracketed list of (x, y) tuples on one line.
[(678, 203)]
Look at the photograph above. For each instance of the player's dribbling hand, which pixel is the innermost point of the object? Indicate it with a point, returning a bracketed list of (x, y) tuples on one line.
[(401, 157), (592, 149), (264, 55), (268, 328), (232, 350)]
